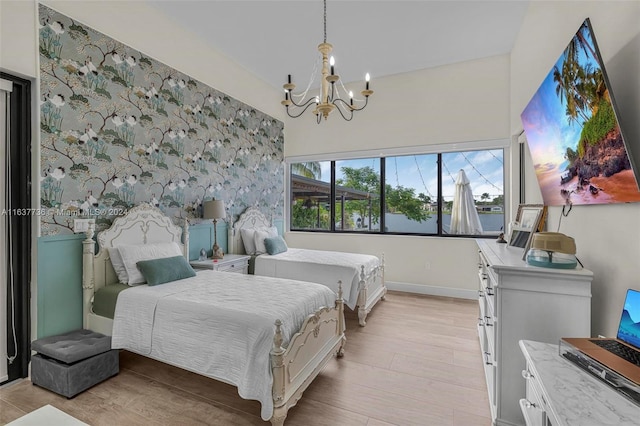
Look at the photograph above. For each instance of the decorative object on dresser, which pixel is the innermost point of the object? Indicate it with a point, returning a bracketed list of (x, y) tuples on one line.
[(70, 363), (231, 263), (328, 99), (529, 219), (518, 301), (558, 393), (362, 275), (214, 209), (208, 308), (552, 250)]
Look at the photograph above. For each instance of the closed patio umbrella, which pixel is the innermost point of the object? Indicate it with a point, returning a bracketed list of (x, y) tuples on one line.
[(464, 216)]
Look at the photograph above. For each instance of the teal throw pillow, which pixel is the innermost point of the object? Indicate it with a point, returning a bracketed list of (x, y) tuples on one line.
[(275, 245), (166, 269)]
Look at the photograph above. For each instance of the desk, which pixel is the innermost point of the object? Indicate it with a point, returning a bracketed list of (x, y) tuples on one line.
[(561, 394)]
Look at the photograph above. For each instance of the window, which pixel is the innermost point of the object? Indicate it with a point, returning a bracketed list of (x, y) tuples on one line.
[(310, 185), (485, 172), (411, 194), (452, 193), (357, 195)]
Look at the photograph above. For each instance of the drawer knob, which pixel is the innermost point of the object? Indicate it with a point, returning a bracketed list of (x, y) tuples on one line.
[(529, 404), (480, 293), (526, 374)]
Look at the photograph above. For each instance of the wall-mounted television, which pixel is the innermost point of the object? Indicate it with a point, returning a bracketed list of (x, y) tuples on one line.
[(571, 125)]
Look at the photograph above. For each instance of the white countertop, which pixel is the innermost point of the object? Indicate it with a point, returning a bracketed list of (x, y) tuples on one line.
[(575, 397)]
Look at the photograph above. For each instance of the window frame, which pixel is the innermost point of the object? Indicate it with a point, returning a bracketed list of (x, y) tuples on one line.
[(439, 149)]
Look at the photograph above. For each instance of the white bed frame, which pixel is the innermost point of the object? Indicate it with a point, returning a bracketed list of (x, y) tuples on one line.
[(371, 287), (293, 368)]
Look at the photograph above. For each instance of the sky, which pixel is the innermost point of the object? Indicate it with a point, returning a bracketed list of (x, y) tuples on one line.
[(632, 305), (483, 168), (545, 123)]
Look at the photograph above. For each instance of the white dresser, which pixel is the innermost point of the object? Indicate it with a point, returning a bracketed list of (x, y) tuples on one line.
[(558, 393), (230, 263), (518, 301)]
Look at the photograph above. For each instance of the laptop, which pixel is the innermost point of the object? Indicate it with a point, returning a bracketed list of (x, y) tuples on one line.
[(621, 354)]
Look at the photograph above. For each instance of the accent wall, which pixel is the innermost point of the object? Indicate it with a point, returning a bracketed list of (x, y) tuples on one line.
[(119, 128)]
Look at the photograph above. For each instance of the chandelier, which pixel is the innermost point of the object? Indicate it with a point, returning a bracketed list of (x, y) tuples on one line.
[(329, 97)]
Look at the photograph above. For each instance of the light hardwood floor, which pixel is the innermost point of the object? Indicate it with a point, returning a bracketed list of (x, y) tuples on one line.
[(417, 362)]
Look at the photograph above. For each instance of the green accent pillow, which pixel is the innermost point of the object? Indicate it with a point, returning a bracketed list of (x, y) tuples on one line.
[(166, 269), (275, 245)]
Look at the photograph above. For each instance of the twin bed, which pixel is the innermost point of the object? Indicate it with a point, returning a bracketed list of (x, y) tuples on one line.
[(268, 337), (362, 276)]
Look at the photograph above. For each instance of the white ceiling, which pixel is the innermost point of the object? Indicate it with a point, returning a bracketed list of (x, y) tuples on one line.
[(276, 38)]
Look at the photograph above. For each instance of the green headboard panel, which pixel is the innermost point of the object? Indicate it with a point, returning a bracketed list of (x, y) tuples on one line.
[(59, 284)]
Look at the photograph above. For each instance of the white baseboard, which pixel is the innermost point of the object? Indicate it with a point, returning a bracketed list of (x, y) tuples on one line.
[(460, 293)]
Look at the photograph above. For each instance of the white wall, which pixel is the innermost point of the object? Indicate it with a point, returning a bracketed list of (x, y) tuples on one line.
[(455, 103), (445, 105), (607, 236), (155, 35)]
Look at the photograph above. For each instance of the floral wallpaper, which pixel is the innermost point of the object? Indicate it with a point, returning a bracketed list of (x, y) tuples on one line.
[(119, 128)]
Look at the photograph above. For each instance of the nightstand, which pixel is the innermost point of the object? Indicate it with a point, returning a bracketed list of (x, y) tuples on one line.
[(230, 263)]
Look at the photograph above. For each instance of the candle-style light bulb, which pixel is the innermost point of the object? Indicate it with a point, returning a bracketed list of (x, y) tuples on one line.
[(286, 95), (351, 97), (317, 99), (367, 78), (332, 62)]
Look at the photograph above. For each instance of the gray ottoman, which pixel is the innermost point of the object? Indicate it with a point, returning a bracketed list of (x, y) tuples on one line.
[(72, 362)]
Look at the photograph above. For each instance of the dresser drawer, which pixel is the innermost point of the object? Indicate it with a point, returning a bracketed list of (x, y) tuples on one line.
[(487, 281), (534, 406), (533, 415)]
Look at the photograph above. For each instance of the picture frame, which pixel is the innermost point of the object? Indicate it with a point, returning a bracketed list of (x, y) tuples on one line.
[(530, 219), (526, 209)]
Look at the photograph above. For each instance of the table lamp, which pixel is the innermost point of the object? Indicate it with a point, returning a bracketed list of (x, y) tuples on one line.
[(214, 209)]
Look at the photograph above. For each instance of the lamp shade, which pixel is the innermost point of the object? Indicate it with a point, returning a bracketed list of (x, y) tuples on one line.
[(213, 209)]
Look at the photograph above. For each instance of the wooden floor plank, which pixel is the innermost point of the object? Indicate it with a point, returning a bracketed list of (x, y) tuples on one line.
[(417, 362)]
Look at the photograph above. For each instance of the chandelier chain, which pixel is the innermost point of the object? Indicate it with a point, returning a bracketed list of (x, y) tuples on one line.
[(311, 79), (325, 21)]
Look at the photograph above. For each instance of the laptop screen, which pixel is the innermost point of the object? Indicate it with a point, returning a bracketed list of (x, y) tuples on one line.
[(629, 328)]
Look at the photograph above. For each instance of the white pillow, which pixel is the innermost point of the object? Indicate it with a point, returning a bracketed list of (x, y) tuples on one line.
[(247, 240), (133, 254), (260, 235), (118, 265)]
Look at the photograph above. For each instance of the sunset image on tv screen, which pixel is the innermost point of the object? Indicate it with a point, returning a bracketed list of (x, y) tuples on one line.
[(578, 151)]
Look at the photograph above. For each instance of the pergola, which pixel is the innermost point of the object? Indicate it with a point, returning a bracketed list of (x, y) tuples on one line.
[(314, 192)]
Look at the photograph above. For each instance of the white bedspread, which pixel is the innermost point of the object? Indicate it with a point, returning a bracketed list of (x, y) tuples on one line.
[(319, 266), (217, 324)]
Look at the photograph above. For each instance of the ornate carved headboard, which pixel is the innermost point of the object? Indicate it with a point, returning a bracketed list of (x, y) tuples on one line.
[(252, 218), (143, 224)]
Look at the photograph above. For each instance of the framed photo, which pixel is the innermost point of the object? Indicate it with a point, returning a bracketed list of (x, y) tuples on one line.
[(527, 211), (529, 220)]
